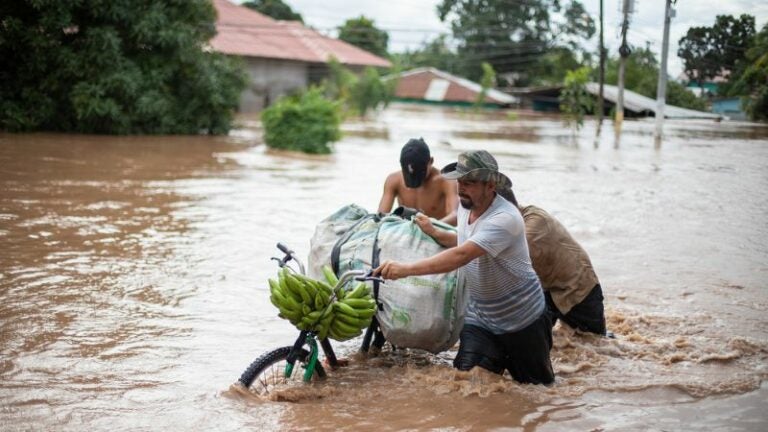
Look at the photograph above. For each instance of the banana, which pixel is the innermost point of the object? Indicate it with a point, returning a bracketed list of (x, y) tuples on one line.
[(349, 320), (330, 276), (297, 286), (344, 308), (359, 303), (360, 291), (366, 313), (343, 328), (287, 290), (319, 302), (325, 288)]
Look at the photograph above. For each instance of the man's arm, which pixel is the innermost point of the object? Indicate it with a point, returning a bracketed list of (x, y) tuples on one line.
[(443, 262), (445, 238), (390, 192)]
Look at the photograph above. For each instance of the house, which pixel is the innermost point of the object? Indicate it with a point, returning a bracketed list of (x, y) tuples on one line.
[(281, 56), (635, 104), (430, 85), (729, 108)]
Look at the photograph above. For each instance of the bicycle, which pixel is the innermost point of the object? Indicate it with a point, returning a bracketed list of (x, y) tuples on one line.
[(278, 367)]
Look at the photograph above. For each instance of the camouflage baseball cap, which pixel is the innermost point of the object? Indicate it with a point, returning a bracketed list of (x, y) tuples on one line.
[(477, 165)]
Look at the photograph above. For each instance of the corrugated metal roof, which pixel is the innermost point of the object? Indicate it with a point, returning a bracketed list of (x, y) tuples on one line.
[(639, 103), (244, 32), (433, 84)]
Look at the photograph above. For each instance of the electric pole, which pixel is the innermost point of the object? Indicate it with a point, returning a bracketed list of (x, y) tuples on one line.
[(624, 52), (600, 108), (661, 89)]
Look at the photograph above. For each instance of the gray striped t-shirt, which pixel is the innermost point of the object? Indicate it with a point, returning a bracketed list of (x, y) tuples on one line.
[(504, 291)]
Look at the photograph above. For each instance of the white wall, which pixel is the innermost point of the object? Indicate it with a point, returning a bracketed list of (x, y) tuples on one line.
[(270, 80)]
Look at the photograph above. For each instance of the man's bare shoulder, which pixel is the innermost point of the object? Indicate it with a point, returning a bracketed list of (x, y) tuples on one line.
[(394, 180)]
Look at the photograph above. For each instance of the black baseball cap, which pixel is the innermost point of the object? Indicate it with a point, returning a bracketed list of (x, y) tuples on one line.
[(414, 160)]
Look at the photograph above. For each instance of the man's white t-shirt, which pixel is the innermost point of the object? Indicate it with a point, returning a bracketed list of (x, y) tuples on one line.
[(505, 294)]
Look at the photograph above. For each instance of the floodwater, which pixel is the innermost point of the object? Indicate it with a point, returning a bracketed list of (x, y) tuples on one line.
[(133, 279)]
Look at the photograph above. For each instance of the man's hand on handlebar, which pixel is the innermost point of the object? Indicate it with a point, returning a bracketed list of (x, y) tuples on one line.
[(391, 270)]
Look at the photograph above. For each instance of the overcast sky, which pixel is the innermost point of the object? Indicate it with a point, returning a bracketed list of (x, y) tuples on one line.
[(410, 22)]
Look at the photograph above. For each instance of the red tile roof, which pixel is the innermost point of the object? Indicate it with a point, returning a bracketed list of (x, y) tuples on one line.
[(420, 83), (245, 32)]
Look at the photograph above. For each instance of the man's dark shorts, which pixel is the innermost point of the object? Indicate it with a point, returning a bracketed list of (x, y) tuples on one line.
[(524, 353), (588, 316)]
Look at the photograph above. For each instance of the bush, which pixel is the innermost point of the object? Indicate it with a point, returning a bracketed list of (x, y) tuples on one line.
[(306, 123), (368, 92)]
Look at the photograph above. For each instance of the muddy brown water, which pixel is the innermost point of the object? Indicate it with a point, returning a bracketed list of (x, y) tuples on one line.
[(133, 279)]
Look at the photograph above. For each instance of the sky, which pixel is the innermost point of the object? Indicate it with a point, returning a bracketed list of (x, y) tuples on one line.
[(411, 22)]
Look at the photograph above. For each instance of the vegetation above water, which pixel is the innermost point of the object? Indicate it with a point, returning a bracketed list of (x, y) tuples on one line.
[(306, 122), (111, 67)]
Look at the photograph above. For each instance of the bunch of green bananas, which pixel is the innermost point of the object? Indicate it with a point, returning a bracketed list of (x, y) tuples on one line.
[(313, 305)]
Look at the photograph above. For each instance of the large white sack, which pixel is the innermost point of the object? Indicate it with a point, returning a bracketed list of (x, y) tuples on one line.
[(424, 312)]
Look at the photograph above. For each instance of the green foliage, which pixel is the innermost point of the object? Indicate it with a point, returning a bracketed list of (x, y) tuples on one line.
[(753, 81), (641, 75), (435, 53), (275, 9), (338, 85), (368, 92), (553, 66), (711, 51), (361, 32), (487, 82), (512, 36), (641, 72), (679, 95), (575, 101), (114, 67), (306, 123), (357, 94)]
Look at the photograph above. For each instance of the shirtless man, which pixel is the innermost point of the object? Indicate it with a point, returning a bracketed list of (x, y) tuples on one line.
[(419, 185)]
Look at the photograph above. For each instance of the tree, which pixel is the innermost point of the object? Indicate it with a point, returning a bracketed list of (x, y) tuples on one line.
[(575, 101), (361, 32), (752, 83), (695, 48), (113, 67), (275, 9), (435, 53), (488, 81), (708, 52), (641, 73), (368, 92), (512, 36), (553, 66), (357, 94)]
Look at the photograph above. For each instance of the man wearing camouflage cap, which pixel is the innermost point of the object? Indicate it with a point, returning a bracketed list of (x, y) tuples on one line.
[(506, 324)]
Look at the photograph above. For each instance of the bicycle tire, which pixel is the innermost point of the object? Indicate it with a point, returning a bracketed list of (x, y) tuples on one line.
[(268, 371)]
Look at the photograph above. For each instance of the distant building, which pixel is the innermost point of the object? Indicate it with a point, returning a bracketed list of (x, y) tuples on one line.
[(281, 56), (707, 88), (547, 99), (729, 108), (430, 85)]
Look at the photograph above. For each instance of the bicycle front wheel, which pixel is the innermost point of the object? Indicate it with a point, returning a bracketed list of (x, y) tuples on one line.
[(267, 373)]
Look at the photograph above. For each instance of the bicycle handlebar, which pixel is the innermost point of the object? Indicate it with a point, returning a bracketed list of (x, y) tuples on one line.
[(284, 249)]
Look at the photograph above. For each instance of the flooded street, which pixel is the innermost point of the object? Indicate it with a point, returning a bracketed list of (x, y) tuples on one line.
[(133, 276)]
